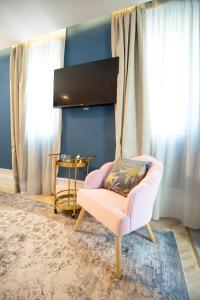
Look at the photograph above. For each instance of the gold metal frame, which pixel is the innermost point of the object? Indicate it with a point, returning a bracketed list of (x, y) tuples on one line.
[(66, 199), (118, 257), (150, 232)]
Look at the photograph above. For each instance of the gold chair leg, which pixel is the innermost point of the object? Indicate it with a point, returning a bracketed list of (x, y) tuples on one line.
[(118, 256), (150, 232), (80, 217)]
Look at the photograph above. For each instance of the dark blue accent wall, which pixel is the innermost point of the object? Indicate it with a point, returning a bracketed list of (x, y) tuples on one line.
[(5, 139), (90, 132)]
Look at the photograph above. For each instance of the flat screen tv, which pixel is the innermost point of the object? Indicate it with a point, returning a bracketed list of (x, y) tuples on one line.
[(92, 83)]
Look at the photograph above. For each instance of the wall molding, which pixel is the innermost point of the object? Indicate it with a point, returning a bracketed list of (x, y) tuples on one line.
[(7, 181)]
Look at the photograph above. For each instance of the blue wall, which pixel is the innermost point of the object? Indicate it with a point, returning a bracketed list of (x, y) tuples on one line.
[(5, 140), (89, 132)]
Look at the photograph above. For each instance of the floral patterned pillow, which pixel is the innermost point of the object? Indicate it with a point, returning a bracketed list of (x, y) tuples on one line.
[(125, 174)]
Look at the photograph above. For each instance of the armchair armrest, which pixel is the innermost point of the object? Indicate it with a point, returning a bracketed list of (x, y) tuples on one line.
[(94, 179), (137, 190), (140, 200)]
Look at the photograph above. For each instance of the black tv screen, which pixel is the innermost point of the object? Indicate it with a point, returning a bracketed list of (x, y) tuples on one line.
[(92, 83)]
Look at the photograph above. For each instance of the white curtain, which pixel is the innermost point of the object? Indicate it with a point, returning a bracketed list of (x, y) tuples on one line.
[(131, 118), (171, 47), (41, 122)]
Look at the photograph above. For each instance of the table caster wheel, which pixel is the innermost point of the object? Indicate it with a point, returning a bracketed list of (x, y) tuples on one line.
[(73, 216), (55, 211)]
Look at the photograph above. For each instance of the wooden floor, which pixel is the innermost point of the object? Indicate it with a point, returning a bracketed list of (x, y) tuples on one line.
[(188, 259)]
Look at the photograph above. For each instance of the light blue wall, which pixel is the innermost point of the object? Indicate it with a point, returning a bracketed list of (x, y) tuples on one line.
[(89, 132), (5, 141)]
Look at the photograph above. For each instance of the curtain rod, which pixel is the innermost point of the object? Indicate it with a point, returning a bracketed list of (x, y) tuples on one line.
[(147, 4), (48, 36)]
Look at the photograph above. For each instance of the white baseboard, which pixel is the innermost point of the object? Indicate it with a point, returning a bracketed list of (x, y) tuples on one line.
[(7, 181)]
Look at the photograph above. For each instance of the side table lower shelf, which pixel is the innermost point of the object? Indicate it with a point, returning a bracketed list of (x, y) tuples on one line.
[(66, 200)]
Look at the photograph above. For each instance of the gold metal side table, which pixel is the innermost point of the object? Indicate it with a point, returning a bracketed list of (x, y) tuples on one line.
[(66, 199)]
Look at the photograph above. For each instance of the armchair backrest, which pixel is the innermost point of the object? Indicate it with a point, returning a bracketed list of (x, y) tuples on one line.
[(140, 200)]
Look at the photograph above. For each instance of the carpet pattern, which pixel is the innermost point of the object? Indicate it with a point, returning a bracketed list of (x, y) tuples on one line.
[(42, 258)]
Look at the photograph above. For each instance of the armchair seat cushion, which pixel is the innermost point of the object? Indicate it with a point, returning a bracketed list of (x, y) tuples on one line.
[(107, 207)]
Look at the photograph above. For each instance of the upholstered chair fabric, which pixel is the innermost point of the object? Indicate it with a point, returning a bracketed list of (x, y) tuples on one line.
[(118, 213)]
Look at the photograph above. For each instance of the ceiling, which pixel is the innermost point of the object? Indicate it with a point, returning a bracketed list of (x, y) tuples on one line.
[(22, 20)]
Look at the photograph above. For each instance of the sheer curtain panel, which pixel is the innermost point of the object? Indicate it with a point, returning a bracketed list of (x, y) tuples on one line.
[(158, 98), (171, 39), (40, 123)]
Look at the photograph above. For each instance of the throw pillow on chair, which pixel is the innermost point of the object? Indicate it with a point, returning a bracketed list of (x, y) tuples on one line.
[(125, 174)]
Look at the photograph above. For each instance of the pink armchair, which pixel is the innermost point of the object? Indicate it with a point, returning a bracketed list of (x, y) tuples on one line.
[(121, 215)]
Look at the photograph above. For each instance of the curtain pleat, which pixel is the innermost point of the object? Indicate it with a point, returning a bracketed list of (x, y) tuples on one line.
[(130, 112), (17, 112)]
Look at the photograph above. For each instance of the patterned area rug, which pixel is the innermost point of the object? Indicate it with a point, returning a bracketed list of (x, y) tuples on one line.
[(42, 258)]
